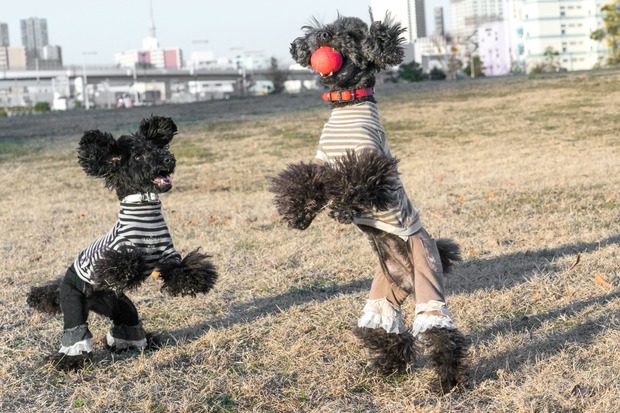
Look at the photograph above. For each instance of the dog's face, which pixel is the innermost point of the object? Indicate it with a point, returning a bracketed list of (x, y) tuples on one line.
[(135, 163), (365, 50)]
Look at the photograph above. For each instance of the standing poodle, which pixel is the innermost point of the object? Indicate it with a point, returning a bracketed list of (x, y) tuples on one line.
[(355, 176), (138, 167)]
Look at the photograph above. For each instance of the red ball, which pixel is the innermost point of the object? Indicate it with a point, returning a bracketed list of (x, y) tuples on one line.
[(326, 60)]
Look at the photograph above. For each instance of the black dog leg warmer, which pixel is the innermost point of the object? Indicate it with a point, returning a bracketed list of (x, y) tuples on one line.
[(390, 352), (448, 354)]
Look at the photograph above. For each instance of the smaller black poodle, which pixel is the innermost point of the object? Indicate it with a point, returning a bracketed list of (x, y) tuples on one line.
[(355, 177), (138, 167)]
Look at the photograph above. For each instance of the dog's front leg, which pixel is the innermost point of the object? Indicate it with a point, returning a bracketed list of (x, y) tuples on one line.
[(301, 193), (194, 274), (120, 270), (362, 181)]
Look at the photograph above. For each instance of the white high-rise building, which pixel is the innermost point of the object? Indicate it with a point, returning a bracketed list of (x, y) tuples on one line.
[(468, 15), (565, 27), (410, 13)]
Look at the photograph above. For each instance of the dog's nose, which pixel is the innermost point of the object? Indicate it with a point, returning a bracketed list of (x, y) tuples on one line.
[(168, 161), (324, 36)]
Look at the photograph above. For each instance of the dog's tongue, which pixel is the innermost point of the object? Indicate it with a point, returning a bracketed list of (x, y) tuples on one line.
[(162, 182)]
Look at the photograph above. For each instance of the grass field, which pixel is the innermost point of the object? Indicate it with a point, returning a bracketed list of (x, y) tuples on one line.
[(523, 172)]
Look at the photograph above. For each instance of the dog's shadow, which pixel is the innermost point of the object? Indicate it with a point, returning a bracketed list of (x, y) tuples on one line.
[(550, 344), (250, 311), (514, 269), (509, 270)]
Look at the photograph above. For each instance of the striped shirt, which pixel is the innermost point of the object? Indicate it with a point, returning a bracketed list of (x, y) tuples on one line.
[(140, 225), (356, 128)]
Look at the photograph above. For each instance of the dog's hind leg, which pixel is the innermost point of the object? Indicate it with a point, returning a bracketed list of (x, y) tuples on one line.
[(381, 328)]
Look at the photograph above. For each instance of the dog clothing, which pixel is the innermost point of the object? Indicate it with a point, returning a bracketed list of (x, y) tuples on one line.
[(409, 262), (357, 127), (139, 225)]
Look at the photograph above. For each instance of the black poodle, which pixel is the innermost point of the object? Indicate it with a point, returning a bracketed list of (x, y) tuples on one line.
[(355, 177), (138, 167)]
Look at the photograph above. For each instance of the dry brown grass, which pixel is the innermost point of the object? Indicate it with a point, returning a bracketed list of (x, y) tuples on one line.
[(523, 173)]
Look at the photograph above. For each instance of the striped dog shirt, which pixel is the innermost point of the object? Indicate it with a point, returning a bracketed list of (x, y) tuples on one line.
[(140, 225), (356, 128)]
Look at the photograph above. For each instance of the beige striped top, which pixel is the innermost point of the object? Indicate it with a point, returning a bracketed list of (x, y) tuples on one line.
[(357, 127)]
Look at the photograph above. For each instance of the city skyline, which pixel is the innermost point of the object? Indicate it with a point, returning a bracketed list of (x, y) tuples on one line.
[(110, 27)]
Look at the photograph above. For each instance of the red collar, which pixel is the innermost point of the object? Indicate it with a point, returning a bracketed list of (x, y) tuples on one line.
[(347, 95)]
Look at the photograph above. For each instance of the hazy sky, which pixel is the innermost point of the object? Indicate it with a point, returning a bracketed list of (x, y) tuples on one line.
[(110, 26)]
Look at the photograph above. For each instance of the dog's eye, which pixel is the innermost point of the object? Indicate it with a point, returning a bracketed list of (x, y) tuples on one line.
[(140, 158)]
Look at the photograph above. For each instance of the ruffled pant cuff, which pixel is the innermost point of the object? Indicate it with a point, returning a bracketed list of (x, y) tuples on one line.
[(381, 313)]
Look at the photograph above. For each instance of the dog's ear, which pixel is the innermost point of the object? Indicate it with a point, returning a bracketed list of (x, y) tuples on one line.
[(158, 129), (98, 153), (300, 51), (383, 46)]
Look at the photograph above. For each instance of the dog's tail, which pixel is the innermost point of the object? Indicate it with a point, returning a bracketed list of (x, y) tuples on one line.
[(46, 298), (450, 253)]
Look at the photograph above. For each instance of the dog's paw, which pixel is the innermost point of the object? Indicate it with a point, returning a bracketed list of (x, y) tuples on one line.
[(63, 362), (195, 274), (344, 216)]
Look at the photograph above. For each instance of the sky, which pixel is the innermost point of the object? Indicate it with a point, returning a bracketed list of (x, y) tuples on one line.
[(106, 27)]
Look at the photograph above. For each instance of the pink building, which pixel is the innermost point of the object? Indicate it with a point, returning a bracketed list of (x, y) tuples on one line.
[(493, 49)]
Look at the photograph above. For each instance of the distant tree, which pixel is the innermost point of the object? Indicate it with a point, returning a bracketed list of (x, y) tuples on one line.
[(411, 72), (450, 56), (454, 64), (437, 74), (611, 32), (516, 69), (551, 62), (477, 63), (277, 76), (42, 107)]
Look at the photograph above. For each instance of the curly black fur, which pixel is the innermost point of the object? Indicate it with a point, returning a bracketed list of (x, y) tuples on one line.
[(449, 351), (300, 193), (158, 129), (132, 163), (365, 50), (450, 253), (362, 181), (194, 275), (390, 352), (44, 298), (121, 269), (98, 154)]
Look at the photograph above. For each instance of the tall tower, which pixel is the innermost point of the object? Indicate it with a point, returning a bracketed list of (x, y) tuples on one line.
[(150, 42), (152, 31)]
